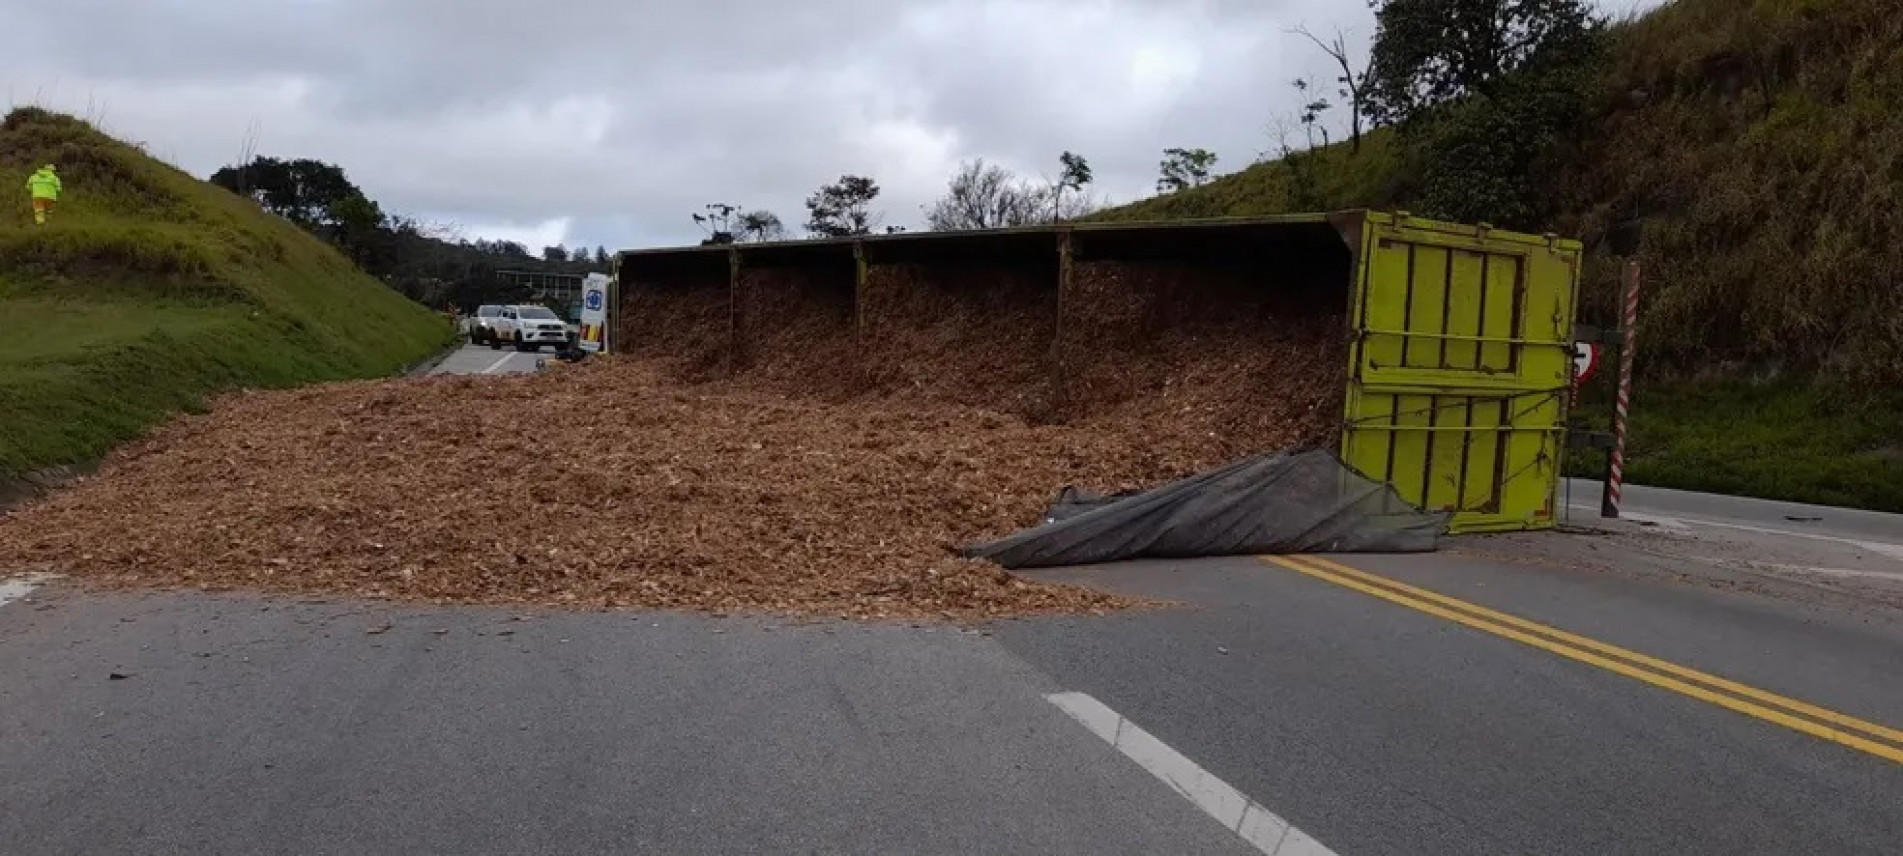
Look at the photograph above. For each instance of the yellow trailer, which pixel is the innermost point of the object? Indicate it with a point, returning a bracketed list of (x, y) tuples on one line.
[(1459, 338), (1459, 371)]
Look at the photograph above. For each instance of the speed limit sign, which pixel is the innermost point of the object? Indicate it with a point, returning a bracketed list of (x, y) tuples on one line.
[(1585, 361)]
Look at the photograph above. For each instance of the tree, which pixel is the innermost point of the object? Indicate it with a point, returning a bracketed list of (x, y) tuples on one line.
[(1312, 113), (1353, 84), (358, 227), (503, 249), (986, 196), (429, 263), (1184, 168), (717, 223), (1484, 92), (1304, 186), (1075, 174), (580, 255), (1428, 52), (601, 255), (843, 209), (758, 226), (303, 191)]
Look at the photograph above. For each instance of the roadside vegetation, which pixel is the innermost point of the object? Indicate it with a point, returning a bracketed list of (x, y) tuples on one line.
[(431, 263), (150, 290), (1756, 146)]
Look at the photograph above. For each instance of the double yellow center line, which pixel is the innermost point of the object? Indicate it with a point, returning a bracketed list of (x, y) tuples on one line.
[(1796, 715)]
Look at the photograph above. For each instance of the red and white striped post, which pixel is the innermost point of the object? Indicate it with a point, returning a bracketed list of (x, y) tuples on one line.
[(1628, 325)]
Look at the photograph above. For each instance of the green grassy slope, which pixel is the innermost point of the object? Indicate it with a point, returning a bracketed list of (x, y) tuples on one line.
[(1335, 177), (150, 289), (1762, 142)]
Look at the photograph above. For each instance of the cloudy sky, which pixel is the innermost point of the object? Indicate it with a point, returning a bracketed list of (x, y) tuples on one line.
[(611, 121)]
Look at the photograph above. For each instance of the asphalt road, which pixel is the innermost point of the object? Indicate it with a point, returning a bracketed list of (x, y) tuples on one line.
[(247, 726), (1662, 686), (470, 359), (1793, 519)]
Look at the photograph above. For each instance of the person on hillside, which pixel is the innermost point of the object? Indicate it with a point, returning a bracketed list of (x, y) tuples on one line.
[(44, 186)]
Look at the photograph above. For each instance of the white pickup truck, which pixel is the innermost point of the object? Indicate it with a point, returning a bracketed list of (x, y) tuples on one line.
[(528, 327)]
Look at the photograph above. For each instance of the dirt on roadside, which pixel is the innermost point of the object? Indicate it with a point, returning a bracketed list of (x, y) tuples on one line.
[(1798, 570)]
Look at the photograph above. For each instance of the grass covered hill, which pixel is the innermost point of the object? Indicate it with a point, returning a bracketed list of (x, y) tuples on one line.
[(1761, 141), (150, 289)]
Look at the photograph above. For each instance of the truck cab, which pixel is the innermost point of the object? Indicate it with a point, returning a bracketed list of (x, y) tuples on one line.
[(528, 327), (482, 329)]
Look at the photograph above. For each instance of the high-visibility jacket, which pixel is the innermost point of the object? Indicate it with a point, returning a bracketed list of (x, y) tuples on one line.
[(43, 184)]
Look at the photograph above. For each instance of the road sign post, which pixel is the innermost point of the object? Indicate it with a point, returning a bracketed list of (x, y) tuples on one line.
[(594, 313), (1586, 358), (1622, 403)]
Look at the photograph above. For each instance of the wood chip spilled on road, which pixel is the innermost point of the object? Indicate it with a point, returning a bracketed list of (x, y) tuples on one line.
[(610, 483)]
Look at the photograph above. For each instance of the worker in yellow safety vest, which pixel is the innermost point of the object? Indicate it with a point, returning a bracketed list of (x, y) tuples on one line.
[(44, 186)]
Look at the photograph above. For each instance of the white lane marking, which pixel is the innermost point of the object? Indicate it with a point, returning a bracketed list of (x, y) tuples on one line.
[(1263, 829), (1894, 551), (20, 586), (497, 364), (1828, 572)]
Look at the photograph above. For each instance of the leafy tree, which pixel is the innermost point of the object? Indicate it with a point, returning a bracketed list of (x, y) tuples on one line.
[(1075, 175), (1484, 92), (1184, 168), (505, 249), (303, 191), (358, 227), (557, 253), (843, 209), (357, 213), (429, 263), (580, 255), (1485, 159), (1429, 52), (761, 225), (601, 255)]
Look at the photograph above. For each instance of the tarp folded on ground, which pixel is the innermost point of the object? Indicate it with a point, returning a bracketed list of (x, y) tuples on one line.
[(1304, 502)]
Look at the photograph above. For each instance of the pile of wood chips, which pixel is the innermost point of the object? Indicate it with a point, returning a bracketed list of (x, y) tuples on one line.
[(612, 483)]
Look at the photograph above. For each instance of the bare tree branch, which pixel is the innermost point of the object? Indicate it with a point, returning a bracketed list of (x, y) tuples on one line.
[(1351, 81)]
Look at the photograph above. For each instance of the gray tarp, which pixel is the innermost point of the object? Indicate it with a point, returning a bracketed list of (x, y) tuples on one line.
[(1305, 502)]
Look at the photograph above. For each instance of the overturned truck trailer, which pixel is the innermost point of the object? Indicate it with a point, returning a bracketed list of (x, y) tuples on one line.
[(1431, 356)]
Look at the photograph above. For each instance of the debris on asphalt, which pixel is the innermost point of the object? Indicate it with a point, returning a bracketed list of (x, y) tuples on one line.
[(628, 482)]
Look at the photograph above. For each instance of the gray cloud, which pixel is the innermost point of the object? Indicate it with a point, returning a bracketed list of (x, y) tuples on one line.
[(604, 122)]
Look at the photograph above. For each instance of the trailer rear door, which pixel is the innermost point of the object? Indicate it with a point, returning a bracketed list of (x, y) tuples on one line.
[(1458, 380)]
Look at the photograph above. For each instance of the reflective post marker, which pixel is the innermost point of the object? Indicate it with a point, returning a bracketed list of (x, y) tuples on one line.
[(1628, 323)]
